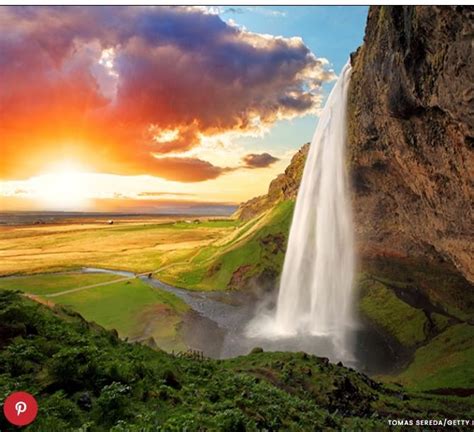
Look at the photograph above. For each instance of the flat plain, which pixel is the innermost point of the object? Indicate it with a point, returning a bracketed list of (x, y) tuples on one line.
[(133, 246)]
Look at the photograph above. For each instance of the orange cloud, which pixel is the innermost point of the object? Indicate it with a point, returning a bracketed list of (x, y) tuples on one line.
[(185, 169), (105, 85)]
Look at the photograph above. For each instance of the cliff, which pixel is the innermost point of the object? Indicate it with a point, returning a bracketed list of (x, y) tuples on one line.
[(411, 135), (283, 187)]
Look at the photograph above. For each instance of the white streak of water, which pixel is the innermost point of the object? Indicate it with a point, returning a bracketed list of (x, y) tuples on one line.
[(316, 288)]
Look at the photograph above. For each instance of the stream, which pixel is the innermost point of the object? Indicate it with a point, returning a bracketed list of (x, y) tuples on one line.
[(217, 321)]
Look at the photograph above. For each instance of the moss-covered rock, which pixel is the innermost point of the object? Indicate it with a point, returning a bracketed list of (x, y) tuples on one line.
[(384, 309), (446, 363)]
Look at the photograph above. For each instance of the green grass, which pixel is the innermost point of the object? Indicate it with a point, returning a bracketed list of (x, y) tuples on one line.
[(440, 322), (213, 267), (124, 306), (52, 283), (381, 306), (447, 361), (439, 282), (131, 307), (444, 362), (86, 379), (219, 223)]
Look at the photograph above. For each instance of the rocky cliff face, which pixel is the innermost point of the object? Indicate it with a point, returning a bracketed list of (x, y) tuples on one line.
[(283, 187), (411, 135)]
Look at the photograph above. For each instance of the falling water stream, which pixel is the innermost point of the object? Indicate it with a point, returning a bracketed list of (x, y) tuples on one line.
[(316, 288)]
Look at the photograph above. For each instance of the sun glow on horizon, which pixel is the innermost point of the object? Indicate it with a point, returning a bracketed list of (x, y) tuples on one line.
[(63, 186)]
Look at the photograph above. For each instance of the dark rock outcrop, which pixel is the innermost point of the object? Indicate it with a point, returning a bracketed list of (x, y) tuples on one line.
[(411, 135)]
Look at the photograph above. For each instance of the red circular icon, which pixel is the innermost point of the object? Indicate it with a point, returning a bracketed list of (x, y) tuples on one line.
[(20, 408)]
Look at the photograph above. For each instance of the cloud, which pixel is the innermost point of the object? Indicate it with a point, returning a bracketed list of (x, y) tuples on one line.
[(262, 160), (184, 169), (105, 84)]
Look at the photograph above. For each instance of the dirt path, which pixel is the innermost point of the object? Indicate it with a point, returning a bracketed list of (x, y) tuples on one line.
[(72, 290), (132, 276)]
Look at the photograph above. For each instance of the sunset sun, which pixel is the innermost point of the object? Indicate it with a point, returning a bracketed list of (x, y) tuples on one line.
[(63, 186)]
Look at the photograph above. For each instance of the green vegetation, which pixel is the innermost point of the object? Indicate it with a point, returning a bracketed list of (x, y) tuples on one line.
[(444, 356), (440, 322), (45, 284), (445, 362), (382, 307), (196, 254), (86, 379), (254, 250), (440, 284), (132, 307)]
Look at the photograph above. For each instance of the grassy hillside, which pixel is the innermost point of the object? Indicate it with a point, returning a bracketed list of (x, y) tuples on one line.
[(378, 303), (86, 379), (446, 363), (253, 252), (131, 307)]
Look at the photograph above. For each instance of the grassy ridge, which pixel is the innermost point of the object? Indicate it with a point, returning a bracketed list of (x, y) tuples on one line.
[(441, 342), (86, 379), (255, 247), (133, 308)]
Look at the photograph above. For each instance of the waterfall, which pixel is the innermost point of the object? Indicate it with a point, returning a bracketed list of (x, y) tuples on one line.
[(316, 287)]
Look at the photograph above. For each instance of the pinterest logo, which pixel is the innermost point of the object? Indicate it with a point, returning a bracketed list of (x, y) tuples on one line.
[(20, 408)]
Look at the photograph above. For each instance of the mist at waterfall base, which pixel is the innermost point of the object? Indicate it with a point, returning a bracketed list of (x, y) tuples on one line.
[(314, 309)]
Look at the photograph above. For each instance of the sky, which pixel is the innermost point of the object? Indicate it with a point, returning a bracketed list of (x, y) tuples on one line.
[(146, 108)]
